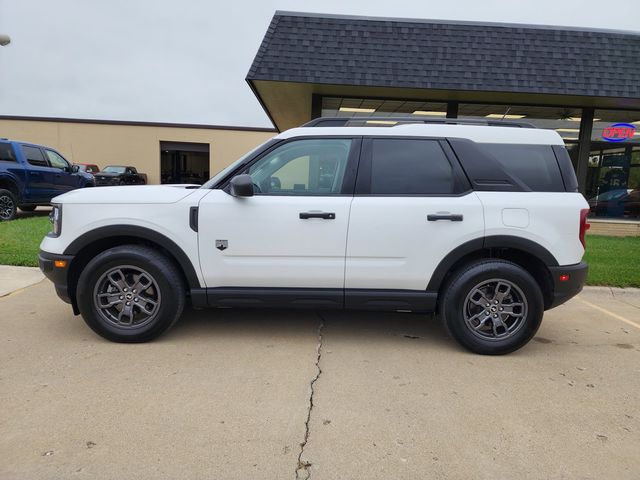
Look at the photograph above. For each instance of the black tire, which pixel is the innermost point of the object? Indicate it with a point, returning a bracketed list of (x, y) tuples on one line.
[(28, 208), (98, 278), (490, 330), (8, 205)]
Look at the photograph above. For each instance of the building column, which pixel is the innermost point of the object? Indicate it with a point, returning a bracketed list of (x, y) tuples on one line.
[(316, 106), (452, 109), (584, 147)]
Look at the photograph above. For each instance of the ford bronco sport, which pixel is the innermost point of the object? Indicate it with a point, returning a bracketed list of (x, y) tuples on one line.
[(481, 223)]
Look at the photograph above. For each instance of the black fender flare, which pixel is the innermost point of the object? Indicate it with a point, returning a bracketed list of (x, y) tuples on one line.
[(479, 244), (143, 233)]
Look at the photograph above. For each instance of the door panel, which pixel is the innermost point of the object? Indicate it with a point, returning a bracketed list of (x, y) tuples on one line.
[(409, 212), (269, 245), (64, 180), (41, 180), (293, 231), (392, 244)]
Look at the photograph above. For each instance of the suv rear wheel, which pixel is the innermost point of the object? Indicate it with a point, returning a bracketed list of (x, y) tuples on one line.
[(130, 293), (492, 307)]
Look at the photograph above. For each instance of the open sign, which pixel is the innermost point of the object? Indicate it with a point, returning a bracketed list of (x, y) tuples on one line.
[(618, 132)]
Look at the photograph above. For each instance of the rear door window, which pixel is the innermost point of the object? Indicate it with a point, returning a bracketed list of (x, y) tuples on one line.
[(6, 153), (34, 156), (535, 165), (410, 167)]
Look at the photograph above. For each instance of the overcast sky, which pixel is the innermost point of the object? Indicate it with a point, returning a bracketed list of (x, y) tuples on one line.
[(186, 60)]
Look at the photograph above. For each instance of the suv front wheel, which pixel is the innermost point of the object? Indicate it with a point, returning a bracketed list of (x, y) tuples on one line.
[(492, 307), (8, 205), (130, 293)]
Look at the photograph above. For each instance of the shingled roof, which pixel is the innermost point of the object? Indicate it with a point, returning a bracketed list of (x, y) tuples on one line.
[(425, 54)]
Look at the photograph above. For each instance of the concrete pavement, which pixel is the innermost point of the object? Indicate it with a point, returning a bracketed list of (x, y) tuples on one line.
[(234, 394), (16, 278)]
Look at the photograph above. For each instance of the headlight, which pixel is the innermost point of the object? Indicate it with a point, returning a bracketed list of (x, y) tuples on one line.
[(56, 220)]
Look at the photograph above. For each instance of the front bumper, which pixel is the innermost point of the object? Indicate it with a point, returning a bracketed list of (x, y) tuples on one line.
[(568, 281), (57, 273)]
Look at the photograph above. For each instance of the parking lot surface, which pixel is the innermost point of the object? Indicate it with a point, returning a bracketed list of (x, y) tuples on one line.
[(234, 394)]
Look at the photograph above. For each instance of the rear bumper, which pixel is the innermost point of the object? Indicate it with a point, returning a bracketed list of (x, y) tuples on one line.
[(563, 290), (57, 274)]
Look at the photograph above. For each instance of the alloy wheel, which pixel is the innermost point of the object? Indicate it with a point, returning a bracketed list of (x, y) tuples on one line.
[(495, 309), (127, 296), (7, 207)]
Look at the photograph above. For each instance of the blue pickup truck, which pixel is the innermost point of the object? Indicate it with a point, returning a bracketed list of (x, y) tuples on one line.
[(31, 175)]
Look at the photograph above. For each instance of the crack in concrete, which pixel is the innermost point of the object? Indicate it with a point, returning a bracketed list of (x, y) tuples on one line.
[(302, 469)]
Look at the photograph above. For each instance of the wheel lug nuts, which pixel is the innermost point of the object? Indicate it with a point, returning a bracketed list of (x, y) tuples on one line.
[(488, 305), (128, 303), (486, 313), (495, 315), (121, 297), (135, 299), (501, 309), (125, 289), (495, 301)]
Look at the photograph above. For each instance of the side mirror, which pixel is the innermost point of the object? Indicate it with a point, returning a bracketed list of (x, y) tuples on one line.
[(241, 186), (75, 168)]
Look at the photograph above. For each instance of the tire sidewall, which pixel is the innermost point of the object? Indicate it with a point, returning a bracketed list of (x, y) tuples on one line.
[(461, 285), (165, 275)]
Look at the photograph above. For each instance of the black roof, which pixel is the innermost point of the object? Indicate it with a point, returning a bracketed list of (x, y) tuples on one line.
[(387, 52)]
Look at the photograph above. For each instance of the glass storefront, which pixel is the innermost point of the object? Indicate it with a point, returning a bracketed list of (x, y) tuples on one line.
[(613, 176), (367, 107), (565, 121)]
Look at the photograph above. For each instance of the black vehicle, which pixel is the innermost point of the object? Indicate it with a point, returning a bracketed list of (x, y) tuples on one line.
[(120, 175)]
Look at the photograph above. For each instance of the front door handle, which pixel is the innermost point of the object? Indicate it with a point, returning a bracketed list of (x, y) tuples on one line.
[(323, 215), (454, 217)]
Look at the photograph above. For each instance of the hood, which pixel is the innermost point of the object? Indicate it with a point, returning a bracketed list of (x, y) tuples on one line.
[(127, 194)]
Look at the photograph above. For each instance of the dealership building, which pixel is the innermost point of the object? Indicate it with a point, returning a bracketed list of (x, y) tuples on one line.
[(583, 83)]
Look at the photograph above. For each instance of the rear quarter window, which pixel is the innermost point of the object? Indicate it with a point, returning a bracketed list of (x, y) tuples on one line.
[(535, 165)]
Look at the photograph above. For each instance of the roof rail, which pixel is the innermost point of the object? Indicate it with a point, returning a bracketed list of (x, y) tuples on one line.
[(393, 121)]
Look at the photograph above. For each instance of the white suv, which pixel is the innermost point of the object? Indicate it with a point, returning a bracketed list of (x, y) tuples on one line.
[(480, 223)]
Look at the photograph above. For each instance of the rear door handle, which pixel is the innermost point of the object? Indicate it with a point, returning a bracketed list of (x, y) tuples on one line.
[(453, 217), (323, 215)]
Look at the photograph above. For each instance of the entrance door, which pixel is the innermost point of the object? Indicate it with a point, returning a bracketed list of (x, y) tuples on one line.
[(292, 233), (182, 162)]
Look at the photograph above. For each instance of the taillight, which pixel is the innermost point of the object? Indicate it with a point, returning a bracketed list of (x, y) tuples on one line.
[(584, 226)]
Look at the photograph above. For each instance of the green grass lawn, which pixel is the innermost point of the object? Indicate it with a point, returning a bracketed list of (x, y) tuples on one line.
[(613, 261), (20, 240)]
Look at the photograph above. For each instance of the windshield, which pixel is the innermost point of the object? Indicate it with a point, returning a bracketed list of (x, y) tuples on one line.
[(112, 169), (224, 172)]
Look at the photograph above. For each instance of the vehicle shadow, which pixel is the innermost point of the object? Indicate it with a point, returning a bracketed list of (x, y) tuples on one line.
[(289, 324)]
